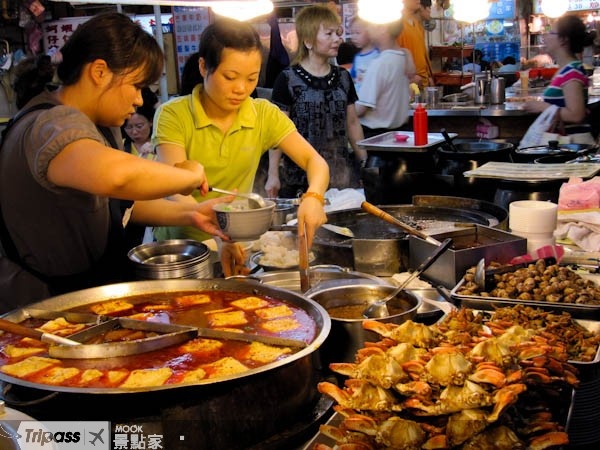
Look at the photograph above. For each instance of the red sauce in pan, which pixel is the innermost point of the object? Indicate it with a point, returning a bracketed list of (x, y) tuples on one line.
[(165, 308)]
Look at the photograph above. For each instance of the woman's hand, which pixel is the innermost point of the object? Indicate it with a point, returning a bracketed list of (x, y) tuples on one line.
[(233, 259), (310, 217), (205, 219), (195, 167)]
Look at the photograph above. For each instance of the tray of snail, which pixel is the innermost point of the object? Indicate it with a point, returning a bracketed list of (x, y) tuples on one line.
[(550, 287)]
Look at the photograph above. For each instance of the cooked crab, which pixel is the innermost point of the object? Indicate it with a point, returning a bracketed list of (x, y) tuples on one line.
[(379, 369), (417, 334), (394, 432), (361, 395), (494, 438), (452, 399)]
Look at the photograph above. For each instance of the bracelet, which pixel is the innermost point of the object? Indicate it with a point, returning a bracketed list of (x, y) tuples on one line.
[(314, 195)]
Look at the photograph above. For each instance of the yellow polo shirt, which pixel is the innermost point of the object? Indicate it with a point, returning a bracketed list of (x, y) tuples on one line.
[(231, 159)]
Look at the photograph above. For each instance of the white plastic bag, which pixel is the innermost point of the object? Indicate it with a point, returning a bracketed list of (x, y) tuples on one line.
[(539, 128)]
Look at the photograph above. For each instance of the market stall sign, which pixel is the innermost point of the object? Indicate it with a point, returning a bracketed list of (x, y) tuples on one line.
[(574, 5)]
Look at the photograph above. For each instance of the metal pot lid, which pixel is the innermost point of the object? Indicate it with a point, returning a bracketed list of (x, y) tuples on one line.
[(475, 148), (554, 147), (454, 98)]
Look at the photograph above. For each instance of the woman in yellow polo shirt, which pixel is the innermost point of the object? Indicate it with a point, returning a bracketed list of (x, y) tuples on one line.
[(227, 131)]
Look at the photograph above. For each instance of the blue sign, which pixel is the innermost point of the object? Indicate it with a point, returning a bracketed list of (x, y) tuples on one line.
[(502, 9)]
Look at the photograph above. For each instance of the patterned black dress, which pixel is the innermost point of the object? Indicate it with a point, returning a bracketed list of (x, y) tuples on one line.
[(318, 105)]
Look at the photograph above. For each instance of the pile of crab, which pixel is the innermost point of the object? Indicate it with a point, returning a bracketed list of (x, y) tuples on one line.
[(464, 383)]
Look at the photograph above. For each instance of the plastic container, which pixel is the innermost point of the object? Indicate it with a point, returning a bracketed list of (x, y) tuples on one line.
[(420, 127)]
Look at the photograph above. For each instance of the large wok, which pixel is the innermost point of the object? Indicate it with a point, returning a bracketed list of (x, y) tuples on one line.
[(380, 248), (233, 412)]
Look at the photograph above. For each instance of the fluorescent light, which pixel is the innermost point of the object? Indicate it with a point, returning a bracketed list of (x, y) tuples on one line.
[(470, 10), (380, 11), (242, 10), (554, 8)]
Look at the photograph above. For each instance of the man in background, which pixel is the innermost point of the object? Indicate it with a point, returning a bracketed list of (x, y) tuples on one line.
[(412, 38)]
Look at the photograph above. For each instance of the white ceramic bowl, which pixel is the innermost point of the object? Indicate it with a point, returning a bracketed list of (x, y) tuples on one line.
[(244, 224)]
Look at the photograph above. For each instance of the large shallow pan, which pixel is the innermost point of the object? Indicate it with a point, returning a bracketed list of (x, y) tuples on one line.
[(230, 412)]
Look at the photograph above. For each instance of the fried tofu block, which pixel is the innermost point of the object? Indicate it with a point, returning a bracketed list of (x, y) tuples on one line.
[(202, 347), (57, 375), (193, 376), (147, 378), (249, 303), (274, 312), (224, 367), (262, 353), (192, 300), (29, 366), (112, 307), (61, 327), (227, 319), (279, 325), (116, 377), (13, 351), (89, 376)]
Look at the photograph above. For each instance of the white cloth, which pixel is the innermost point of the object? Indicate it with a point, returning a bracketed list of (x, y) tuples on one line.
[(384, 90), (344, 199), (581, 227)]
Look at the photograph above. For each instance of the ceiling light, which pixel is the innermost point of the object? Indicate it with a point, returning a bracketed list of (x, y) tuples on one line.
[(554, 8), (470, 10), (242, 10), (380, 11)]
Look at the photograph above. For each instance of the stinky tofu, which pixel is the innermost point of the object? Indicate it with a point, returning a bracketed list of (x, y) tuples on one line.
[(227, 319), (13, 351), (111, 307), (142, 378), (280, 325), (57, 375), (90, 376), (249, 303), (262, 353), (192, 300), (61, 327), (274, 312), (193, 376), (224, 367), (29, 366), (116, 377), (203, 347)]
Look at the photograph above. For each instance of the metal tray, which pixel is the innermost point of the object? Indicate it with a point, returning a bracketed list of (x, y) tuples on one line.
[(589, 312), (386, 142)]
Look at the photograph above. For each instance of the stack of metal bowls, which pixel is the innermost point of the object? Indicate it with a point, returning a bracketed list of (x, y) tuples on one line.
[(175, 258)]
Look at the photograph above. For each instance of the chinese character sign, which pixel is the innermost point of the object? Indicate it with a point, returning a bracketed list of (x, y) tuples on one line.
[(188, 25)]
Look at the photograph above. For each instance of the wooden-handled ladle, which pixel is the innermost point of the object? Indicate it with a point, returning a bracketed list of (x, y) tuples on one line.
[(372, 209)]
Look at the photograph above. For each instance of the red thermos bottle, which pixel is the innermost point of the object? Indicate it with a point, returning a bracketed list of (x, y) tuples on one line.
[(420, 125)]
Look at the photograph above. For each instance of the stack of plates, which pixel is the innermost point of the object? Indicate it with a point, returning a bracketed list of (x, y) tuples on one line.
[(176, 258), (585, 415)]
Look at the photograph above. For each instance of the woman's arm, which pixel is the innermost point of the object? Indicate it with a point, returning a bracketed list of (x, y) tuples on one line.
[(574, 110), (89, 166), (310, 212), (355, 133), (169, 154), (164, 212)]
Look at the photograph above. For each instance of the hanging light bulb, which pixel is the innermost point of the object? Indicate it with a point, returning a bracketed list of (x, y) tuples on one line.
[(380, 11), (554, 8), (470, 10), (242, 10)]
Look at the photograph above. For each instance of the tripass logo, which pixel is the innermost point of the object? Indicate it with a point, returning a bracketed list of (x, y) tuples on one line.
[(35, 435)]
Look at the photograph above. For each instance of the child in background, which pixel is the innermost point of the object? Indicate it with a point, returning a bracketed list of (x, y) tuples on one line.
[(360, 37)]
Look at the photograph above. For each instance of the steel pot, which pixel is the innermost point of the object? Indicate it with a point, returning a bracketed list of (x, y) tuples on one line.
[(348, 335), (530, 154), (380, 248), (290, 279), (225, 413), (468, 155)]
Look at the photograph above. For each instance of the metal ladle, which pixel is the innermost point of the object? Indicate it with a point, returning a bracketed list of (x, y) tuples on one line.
[(255, 201), (379, 309)]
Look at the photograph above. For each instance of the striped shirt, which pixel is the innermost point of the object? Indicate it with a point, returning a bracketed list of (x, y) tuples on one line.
[(554, 93)]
